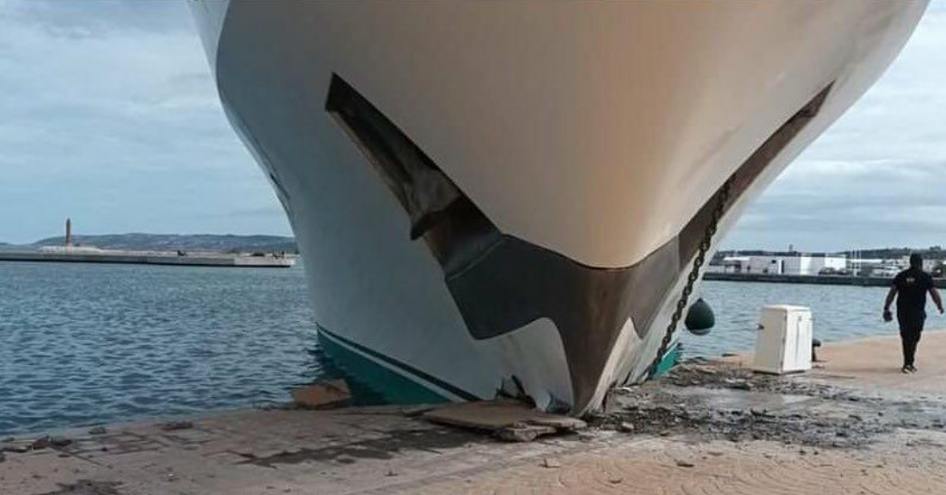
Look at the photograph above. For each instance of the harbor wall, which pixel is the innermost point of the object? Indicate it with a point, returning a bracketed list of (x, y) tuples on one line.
[(131, 257), (808, 279)]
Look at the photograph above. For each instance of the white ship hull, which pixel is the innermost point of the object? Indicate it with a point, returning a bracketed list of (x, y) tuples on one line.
[(493, 193)]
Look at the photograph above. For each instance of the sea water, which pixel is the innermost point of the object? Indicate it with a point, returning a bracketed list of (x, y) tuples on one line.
[(84, 344), (839, 312), (89, 343)]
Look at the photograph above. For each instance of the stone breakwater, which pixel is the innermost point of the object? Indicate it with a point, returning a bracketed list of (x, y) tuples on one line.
[(151, 258)]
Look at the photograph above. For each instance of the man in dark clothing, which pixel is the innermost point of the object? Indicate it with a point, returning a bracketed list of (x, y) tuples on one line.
[(910, 287)]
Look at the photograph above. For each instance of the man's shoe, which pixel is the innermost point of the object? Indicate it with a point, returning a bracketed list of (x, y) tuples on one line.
[(905, 370), (910, 368)]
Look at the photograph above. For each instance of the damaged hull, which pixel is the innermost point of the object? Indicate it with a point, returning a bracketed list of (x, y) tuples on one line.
[(511, 196)]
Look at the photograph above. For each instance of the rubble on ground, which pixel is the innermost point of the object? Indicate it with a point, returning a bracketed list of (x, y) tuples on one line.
[(721, 401), (177, 425), (507, 419), (700, 373), (327, 394), (88, 487)]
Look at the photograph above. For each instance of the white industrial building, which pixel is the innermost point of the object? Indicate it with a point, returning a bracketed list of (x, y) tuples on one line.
[(928, 264), (791, 263), (783, 264)]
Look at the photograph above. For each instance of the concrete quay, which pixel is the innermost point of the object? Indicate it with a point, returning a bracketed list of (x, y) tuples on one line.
[(854, 425)]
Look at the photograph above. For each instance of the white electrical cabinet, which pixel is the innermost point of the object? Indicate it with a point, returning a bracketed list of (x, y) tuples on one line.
[(784, 341)]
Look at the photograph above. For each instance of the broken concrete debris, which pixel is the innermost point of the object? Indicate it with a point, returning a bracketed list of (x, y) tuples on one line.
[(16, 448), (415, 411), (48, 441), (509, 420), (323, 395), (40, 443), (177, 425), (720, 401), (88, 487), (523, 432)]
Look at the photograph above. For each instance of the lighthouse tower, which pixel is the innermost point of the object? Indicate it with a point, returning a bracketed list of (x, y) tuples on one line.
[(68, 232)]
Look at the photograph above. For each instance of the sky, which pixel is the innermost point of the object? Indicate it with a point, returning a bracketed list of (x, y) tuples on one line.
[(877, 177), (109, 115)]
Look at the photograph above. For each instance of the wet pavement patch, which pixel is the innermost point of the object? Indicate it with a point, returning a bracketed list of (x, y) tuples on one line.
[(719, 375), (386, 446), (177, 425), (88, 487), (717, 401), (745, 424)]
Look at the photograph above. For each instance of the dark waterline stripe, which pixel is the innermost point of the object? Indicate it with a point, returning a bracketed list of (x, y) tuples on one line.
[(403, 367)]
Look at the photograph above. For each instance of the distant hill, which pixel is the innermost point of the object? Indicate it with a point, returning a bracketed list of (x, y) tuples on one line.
[(173, 242)]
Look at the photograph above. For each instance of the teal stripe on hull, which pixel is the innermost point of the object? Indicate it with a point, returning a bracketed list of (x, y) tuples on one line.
[(669, 360), (394, 388), (391, 386)]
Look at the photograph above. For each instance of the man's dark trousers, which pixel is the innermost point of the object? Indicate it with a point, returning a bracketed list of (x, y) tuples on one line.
[(911, 327)]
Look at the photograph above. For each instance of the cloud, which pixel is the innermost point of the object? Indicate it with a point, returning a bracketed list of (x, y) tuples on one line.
[(878, 176), (78, 19), (110, 116)]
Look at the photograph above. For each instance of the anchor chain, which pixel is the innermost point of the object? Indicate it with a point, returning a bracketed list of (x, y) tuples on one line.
[(693, 276)]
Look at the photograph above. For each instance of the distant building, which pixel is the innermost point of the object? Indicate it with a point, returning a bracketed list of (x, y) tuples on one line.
[(794, 263), (783, 264), (928, 264)]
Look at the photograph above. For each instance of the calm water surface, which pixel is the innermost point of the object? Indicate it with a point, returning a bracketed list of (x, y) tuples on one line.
[(83, 344), (839, 312), (89, 343)]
